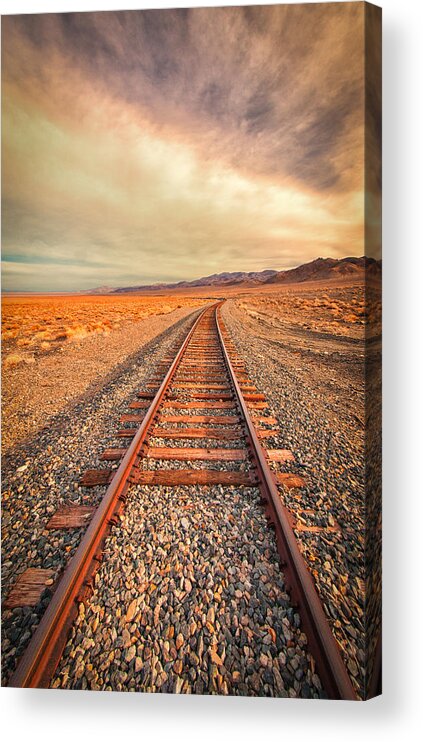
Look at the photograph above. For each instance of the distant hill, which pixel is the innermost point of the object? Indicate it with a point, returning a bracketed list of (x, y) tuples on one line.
[(321, 269), (216, 279), (99, 290), (327, 269)]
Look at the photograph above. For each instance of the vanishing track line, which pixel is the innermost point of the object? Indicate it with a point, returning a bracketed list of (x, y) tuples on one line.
[(175, 408)]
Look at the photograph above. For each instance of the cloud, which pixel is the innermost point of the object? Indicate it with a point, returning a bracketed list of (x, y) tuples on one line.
[(169, 144)]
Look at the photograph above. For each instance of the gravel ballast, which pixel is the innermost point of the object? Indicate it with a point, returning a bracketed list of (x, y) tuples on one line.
[(43, 473), (190, 599), (318, 400)]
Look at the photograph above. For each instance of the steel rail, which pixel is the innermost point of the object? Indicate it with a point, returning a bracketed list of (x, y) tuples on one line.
[(43, 653), (321, 640), (40, 659)]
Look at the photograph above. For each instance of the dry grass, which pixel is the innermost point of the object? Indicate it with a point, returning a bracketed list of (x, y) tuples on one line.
[(16, 359), (45, 323), (338, 311)]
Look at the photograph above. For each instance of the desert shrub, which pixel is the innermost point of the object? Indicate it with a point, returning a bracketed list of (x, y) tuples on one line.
[(76, 333), (9, 334), (15, 359), (351, 318)]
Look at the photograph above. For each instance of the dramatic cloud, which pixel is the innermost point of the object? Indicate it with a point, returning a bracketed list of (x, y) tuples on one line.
[(164, 145)]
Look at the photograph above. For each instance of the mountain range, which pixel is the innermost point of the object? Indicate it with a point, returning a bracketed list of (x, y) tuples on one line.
[(324, 269), (317, 270)]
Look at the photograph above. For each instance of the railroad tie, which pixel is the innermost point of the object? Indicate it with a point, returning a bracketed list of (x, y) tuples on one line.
[(207, 477), (207, 359)]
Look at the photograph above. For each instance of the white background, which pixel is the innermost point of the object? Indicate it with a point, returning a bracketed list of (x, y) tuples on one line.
[(67, 715)]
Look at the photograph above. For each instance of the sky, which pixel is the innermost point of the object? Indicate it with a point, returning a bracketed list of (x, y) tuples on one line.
[(148, 146)]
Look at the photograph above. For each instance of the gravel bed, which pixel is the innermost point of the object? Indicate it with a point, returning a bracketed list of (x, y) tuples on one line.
[(312, 401), (195, 443), (160, 464), (190, 599), (201, 411), (34, 394), (43, 474)]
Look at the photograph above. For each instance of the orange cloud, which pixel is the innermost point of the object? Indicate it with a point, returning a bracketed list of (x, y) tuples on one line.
[(148, 146)]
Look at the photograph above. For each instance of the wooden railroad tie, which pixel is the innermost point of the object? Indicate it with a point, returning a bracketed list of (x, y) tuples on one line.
[(290, 480), (29, 587), (212, 396), (298, 524), (211, 433), (197, 454), (212, 419), (113, 454), (97, 477), (200, 385), (279, 454), (201, 405), (175, 477), (71, 516), (131, 418)]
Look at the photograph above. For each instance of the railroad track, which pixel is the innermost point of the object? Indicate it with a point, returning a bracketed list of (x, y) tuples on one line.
[(174, 408)]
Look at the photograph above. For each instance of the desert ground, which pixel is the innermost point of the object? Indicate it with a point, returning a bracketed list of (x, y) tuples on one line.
[(306, 351), (70, 365), (56, 348)]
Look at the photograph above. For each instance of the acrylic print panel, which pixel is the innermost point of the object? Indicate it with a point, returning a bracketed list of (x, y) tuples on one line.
[(191, 351)]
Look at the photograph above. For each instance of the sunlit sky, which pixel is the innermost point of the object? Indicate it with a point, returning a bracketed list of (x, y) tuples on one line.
[(148, 146)]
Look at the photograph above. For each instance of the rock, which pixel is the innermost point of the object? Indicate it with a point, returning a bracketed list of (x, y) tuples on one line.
[(263, 660), (126, 638), (255, 682), (132, 609), (130, 653), (215, 657), (179, 641)]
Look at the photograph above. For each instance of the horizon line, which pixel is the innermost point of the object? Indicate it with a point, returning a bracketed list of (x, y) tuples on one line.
[(169, 284)]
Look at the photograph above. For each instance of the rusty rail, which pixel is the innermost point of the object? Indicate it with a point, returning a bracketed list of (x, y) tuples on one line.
[(45, 648), (40, 660), (321, 640)]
